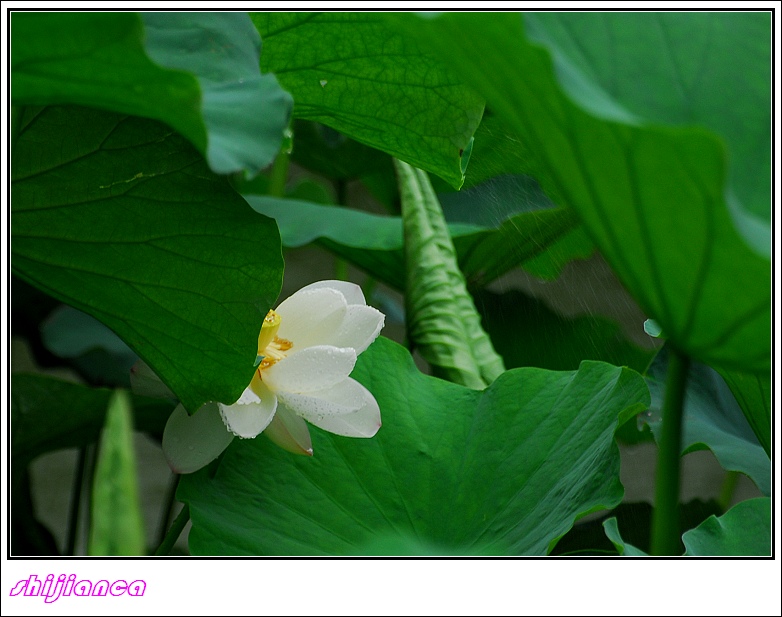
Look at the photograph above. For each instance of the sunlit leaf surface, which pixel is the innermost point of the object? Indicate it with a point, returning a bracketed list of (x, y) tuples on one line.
[(504, 471)]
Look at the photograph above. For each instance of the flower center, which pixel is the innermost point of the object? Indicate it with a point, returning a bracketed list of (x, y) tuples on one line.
[(275, 351), (270, 346)]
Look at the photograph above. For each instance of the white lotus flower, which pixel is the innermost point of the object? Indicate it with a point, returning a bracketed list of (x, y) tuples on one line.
[(309, 346)]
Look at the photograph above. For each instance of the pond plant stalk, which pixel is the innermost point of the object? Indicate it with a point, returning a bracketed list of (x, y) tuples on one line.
[(665, 519), (174, 532), (76, 499)]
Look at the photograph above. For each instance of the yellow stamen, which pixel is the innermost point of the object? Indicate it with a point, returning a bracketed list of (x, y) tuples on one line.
[(270, 346), (282, 343), (275, 351)]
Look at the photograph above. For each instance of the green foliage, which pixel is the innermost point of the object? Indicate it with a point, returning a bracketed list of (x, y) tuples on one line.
[(504, 471), (353, 73), (753, 393), (222, 51), (98, 223), (197, 72), (98, 59), (745, 530), (673, 69), (642, 136), (539, 240), (612, 531), (441, 318), (653, 197), (117, 525), (322, 149), (91, 346), (497, 155), (531, 231), (391, 544), (713, 420), (70, 333), (527, 333), (601, 536), (49, 414)]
